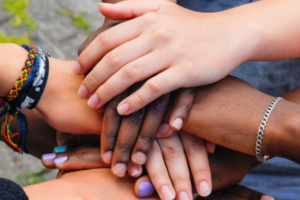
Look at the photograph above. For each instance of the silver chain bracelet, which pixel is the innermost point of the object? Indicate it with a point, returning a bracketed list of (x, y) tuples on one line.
[(262, 128)]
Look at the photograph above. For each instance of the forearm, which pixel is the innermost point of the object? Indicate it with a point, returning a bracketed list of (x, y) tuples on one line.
[(270, 28), (229, 114), (12, 59)]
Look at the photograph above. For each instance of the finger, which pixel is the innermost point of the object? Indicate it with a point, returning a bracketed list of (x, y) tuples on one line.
[(131, 73), (164, 130), (127, 135), (112, 62), (155, 112), (198, 161), (184, 99), (83, 157), (176, 162), (125, 141), (158, 173), (134, 170), (107, 24), (144, 188), (105, 42), (128, 9), (110, 128), (152, 89), (210, 147)]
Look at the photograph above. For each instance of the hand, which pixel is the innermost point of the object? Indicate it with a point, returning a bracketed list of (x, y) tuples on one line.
[(80, 185), (170, 149), (135, 133), (60, 105), (228, 167), (180, 49)]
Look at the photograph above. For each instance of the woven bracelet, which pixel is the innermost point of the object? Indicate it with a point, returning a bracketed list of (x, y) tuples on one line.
[(18, 96)]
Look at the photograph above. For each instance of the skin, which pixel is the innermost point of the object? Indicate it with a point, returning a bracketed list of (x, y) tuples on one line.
[(154, 45), (130, 138), (57, 107), (101, 183)]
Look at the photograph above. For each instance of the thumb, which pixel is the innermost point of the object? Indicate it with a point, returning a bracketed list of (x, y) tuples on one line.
[(144, 188), (129, 9)]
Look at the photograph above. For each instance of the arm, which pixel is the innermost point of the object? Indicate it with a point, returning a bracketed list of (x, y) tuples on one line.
[(236, 109)]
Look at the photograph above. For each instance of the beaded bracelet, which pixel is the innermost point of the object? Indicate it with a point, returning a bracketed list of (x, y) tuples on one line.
[(18, 97)]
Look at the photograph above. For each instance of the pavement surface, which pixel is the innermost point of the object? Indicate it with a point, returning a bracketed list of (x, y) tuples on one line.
[(56, 34)]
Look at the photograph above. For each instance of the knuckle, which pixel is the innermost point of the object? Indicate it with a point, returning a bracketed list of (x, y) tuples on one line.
[(111, 137), (138, 99), (131, 70), (162, 34), (148, 137), (185, 106), (154, 86), (113, 59), (179, 181), (150, 17), (196, 146), (171, 153), (137, 116), (200, 172), (158, 106), (104, 90), (91, 79), (125, 148), (105, 38)]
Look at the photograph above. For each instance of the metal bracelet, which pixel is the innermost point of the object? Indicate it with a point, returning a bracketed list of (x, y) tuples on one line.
[(261, 129)]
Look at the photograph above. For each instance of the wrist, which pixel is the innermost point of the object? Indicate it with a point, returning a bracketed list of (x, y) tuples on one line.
[(284, 131), (12, 59)]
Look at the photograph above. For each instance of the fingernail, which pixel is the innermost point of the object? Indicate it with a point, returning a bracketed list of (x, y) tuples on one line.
[(49, 157), (163, 129), (146, 189), (266, 197), (139, 158), (60, 149), (204, 189), (183, 196), (177, 123), (120, 169), (77, 68), (82, 92), (166, 193), (61, 160), (123, 109), (93, 102), (133, 169), (107, 157)]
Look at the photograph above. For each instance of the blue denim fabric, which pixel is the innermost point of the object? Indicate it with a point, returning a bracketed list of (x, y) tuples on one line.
[(278, 177)]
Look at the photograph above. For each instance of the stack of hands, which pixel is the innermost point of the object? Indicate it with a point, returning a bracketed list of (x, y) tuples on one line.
[(161, 138)]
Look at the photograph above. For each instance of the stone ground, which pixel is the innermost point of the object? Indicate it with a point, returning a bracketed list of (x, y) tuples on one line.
[(61, 39)]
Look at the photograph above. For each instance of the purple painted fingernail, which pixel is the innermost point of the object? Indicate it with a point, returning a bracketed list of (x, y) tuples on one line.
[(49, 157), (61, 160), (146, 189)]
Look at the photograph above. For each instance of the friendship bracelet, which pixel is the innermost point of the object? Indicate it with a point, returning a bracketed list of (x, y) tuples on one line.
[(261, 129), (25, 94)]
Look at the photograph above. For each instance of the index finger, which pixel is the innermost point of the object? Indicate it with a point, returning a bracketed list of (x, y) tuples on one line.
[(104, 43)]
